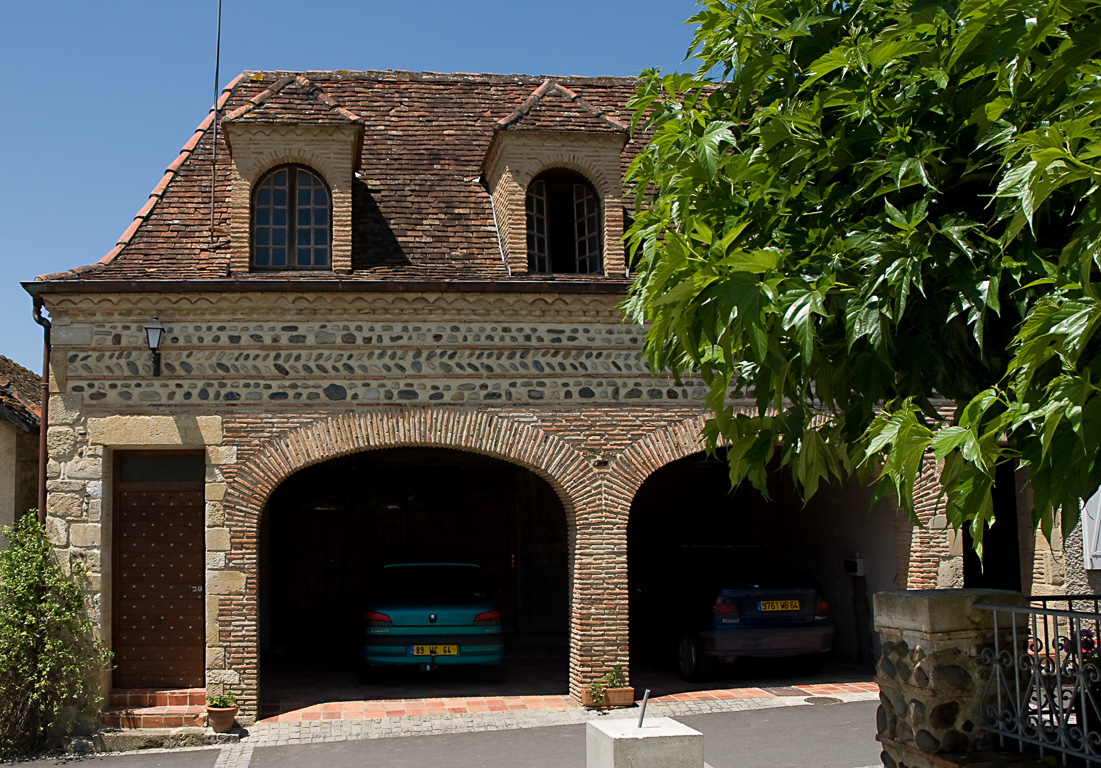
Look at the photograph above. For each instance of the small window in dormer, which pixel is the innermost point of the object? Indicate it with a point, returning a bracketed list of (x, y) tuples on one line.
[(563, 224), (291, 215)]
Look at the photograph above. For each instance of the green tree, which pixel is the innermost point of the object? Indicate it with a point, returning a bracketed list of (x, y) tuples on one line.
[(881, 222), (49, 659)]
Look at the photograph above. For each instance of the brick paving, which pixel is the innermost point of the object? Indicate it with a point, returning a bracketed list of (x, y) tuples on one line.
[(334, 721), (435, 707)]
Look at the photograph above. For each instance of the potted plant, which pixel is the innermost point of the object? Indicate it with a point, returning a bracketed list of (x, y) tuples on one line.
[(221, 710), (608, 691), (616, 691), (593, 697)]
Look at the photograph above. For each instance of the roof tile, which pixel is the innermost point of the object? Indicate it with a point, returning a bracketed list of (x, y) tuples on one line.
[(419, 209)]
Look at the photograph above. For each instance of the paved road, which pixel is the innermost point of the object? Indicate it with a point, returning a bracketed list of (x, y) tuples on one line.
[(822, 735)]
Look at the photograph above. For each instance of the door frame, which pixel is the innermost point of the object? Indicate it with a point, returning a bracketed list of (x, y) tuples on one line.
[(116, 528)]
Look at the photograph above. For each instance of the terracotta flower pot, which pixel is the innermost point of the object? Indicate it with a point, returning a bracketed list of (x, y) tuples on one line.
[(587, 700), (619, 697), (613, 697), (221, 718)]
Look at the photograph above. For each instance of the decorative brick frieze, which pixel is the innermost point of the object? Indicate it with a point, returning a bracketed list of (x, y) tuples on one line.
[(446, 362)]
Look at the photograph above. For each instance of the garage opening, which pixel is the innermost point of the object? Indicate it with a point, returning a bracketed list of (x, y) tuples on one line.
[(687, 524), (328, 530)]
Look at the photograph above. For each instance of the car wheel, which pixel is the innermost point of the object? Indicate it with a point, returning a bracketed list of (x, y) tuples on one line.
[(692, 663)]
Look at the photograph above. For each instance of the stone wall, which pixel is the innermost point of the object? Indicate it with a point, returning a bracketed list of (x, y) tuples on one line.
[(18, 473), (269, 383), (930, 673)]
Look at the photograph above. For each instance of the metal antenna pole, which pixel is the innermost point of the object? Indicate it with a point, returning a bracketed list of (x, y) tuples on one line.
[(214, 148)]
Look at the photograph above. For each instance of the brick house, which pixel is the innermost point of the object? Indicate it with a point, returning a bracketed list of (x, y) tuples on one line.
[(438, 367), (20, 398)]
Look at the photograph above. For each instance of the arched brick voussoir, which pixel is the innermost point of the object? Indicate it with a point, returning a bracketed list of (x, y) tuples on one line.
[(631, 468), (462, 429)]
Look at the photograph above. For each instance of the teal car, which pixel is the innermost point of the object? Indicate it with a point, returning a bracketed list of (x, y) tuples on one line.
[(431, 615)]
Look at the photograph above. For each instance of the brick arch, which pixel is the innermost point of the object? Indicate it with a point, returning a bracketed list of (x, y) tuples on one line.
[(605, 187), (232, 646), (315, 162), (460, 429), (632, 467)]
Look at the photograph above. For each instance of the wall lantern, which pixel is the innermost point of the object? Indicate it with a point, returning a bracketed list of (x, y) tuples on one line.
[(153, 333)]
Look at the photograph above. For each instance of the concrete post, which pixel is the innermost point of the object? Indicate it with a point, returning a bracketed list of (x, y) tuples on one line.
[(660, 743), (930, 674)]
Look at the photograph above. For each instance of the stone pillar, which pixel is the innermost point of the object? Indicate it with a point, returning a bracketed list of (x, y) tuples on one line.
[(930, 673)]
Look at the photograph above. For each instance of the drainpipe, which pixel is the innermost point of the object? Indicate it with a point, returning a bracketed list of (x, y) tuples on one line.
[(45, 415)]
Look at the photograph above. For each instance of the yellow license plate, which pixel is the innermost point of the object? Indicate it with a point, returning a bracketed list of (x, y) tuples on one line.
[(778, 605), (435, 650)]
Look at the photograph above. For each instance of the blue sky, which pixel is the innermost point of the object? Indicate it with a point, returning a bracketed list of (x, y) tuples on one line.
[(101, 95)]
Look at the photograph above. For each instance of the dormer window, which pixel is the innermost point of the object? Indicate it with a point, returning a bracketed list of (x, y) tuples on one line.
[(291, 220), (563, 224)]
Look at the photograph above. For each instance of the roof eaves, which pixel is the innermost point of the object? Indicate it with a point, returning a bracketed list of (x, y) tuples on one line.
[(22, 418)]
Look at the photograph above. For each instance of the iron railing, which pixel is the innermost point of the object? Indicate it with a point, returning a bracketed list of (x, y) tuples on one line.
[(1045, 676)]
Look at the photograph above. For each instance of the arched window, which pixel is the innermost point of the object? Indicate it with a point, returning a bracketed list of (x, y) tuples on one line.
[(291, 216), (563, 224)]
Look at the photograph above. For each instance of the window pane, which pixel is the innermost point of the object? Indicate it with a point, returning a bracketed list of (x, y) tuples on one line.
[(167, 468), (291, 208)]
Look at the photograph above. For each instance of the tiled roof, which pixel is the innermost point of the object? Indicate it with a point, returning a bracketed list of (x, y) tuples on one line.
[(20, 395), (292, 99), (420, 209), (555, 108)]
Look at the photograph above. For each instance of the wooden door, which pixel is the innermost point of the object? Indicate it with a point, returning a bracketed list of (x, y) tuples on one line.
[(160, 547)]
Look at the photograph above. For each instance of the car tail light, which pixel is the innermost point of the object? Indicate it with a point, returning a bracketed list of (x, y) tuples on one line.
[(822, 608), (488, 619), (378, 619), (725, 609)]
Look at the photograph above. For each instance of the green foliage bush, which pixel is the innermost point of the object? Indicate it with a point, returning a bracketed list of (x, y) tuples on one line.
[(49, 657)]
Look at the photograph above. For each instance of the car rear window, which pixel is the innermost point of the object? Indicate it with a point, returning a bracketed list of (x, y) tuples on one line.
[(431, 584)]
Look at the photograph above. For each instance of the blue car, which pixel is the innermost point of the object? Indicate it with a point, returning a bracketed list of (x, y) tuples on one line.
[(431, 615), (721, 603)]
